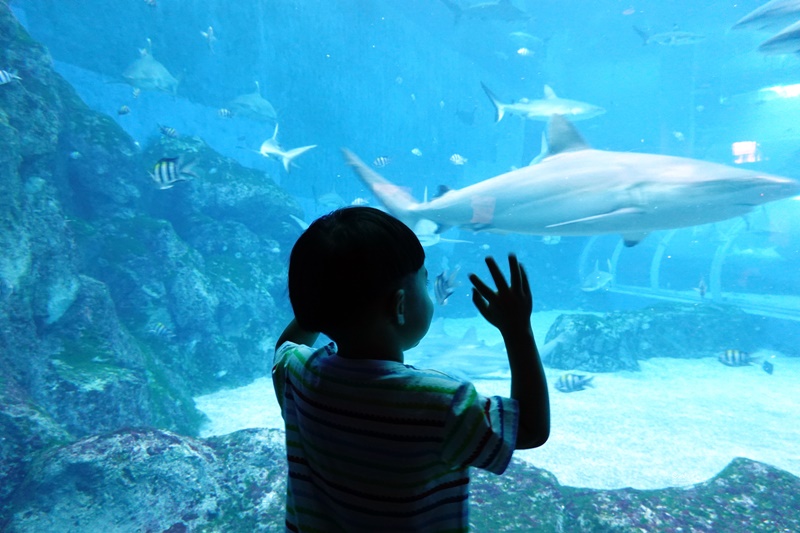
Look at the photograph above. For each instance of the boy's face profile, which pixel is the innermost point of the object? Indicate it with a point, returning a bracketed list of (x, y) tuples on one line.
[(418, 310)]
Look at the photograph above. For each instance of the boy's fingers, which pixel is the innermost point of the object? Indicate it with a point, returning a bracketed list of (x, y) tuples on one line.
[(526, 287), (513, 272), (480, 286), (497, 276), (479, 302)]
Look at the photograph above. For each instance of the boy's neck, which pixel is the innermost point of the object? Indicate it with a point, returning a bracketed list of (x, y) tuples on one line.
[(377, 344)]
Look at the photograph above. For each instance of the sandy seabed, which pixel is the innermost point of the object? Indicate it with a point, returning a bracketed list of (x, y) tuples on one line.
[(674, 423)]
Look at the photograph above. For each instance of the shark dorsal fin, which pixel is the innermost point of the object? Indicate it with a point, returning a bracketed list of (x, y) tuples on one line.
[(549, 93), (563, 137)]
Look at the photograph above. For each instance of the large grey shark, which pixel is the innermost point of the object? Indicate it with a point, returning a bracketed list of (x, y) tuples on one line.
[(577, 190), (785, 42), (499, 10), (545, 108), (775, 14)]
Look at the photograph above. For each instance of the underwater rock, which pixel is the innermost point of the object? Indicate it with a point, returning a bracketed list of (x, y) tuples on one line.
[(140, 480), (618, 340)]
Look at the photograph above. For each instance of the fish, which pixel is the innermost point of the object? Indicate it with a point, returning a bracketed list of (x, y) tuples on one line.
[(168, 132), (136, 92), (330, 201), (271, 148), (735, 358), (467, 116), (417, 152), (767, 367), (545, 108), (444, 285), (7, 76), (171, 170), (253, 106), (597, 279), (160, 330), (75, 155), (701, 288), (209, 36), (381, 161), (359, 201), (225, 113), (627, 193), (148, 74), (551, 240), (123, 110), (151, 3), (571, 382), (775, 14), (785, 42), (670, 38), (498, 10), (458, 159)]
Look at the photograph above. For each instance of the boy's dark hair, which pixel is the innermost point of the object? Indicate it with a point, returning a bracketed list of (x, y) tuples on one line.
[(346, 260)]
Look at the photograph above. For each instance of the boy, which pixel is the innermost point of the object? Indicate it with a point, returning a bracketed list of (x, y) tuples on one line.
[(374, 444)]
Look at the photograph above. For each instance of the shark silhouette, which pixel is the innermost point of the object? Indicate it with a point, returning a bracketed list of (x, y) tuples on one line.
[(576, 190)]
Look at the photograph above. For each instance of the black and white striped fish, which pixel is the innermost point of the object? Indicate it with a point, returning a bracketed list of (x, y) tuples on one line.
[(169, 171), (735, 358), (570, 382), (8, 77), (167, 131), (381, 161)]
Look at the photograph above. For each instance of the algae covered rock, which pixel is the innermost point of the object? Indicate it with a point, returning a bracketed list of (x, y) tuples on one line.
[(618, 340)]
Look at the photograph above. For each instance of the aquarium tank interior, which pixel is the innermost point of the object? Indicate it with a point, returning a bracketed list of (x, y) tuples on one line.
[(160, 158)]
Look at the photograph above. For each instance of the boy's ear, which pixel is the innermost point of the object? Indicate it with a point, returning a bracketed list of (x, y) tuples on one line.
[(399, 306)]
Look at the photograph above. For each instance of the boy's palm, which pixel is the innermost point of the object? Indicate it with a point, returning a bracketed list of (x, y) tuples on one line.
[(509, 307)]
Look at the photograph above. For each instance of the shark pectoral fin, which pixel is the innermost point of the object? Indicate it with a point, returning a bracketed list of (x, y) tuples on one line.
[(632, 239), (594, 218)]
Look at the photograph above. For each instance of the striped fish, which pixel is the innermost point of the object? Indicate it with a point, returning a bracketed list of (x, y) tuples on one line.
[(225, 113), (167, 131), (735, 358), (381, 161), (8, 77), (570, 382), (169, 171), (123, 110)]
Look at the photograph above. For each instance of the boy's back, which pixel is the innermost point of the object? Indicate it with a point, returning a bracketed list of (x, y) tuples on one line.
[(381, 446)]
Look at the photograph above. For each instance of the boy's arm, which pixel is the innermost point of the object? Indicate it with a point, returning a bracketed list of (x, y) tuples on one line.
[(509, 309), (294, 333)]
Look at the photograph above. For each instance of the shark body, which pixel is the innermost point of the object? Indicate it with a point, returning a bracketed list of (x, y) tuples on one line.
[(544, 108), (576, 190)]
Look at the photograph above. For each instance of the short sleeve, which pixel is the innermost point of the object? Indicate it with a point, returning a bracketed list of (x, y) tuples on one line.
[(480, 431), (279, 364)]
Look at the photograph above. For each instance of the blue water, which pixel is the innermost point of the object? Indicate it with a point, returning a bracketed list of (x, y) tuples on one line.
[(385, 77)]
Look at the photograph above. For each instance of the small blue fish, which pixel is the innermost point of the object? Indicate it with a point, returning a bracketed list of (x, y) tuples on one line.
[(570, 382), (767, 366)]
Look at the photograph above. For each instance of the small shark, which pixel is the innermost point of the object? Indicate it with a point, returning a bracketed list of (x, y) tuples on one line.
[(499, 10), (545, 108), (597, 279), (148, 74), (775, 14), (270, 148), (577, 190), (253, 106), (785, 42), (670, 38)]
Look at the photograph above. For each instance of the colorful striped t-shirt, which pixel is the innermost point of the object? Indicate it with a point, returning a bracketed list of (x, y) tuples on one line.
[(381, 446)]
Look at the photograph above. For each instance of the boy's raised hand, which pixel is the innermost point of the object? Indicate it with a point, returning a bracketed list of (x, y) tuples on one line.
[(510, 307)]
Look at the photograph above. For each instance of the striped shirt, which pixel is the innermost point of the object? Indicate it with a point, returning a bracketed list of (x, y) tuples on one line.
[(381, 446)]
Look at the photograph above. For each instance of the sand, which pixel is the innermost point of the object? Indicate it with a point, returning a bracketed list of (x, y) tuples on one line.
[(674, 423)]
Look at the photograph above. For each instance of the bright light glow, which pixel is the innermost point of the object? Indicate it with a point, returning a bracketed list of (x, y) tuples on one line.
[(746, 152), (784, 91)]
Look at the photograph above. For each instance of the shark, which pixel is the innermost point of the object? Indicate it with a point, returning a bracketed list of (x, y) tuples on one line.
[(670, 38), (786, 41), (149, 74), (497, 10), (576, 190), (253, 106), (545, 108), (597, 279), (271, 148), (775, 14)]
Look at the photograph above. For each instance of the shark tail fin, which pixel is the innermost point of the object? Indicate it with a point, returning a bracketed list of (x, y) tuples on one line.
[(396, 199), (643, 34), (289, 155), (498, 106)]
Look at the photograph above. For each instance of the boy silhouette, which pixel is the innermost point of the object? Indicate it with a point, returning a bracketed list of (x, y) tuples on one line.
[(373, 444)]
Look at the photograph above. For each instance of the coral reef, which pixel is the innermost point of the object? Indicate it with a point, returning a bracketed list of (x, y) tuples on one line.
[(120, 301), (153, 480)]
